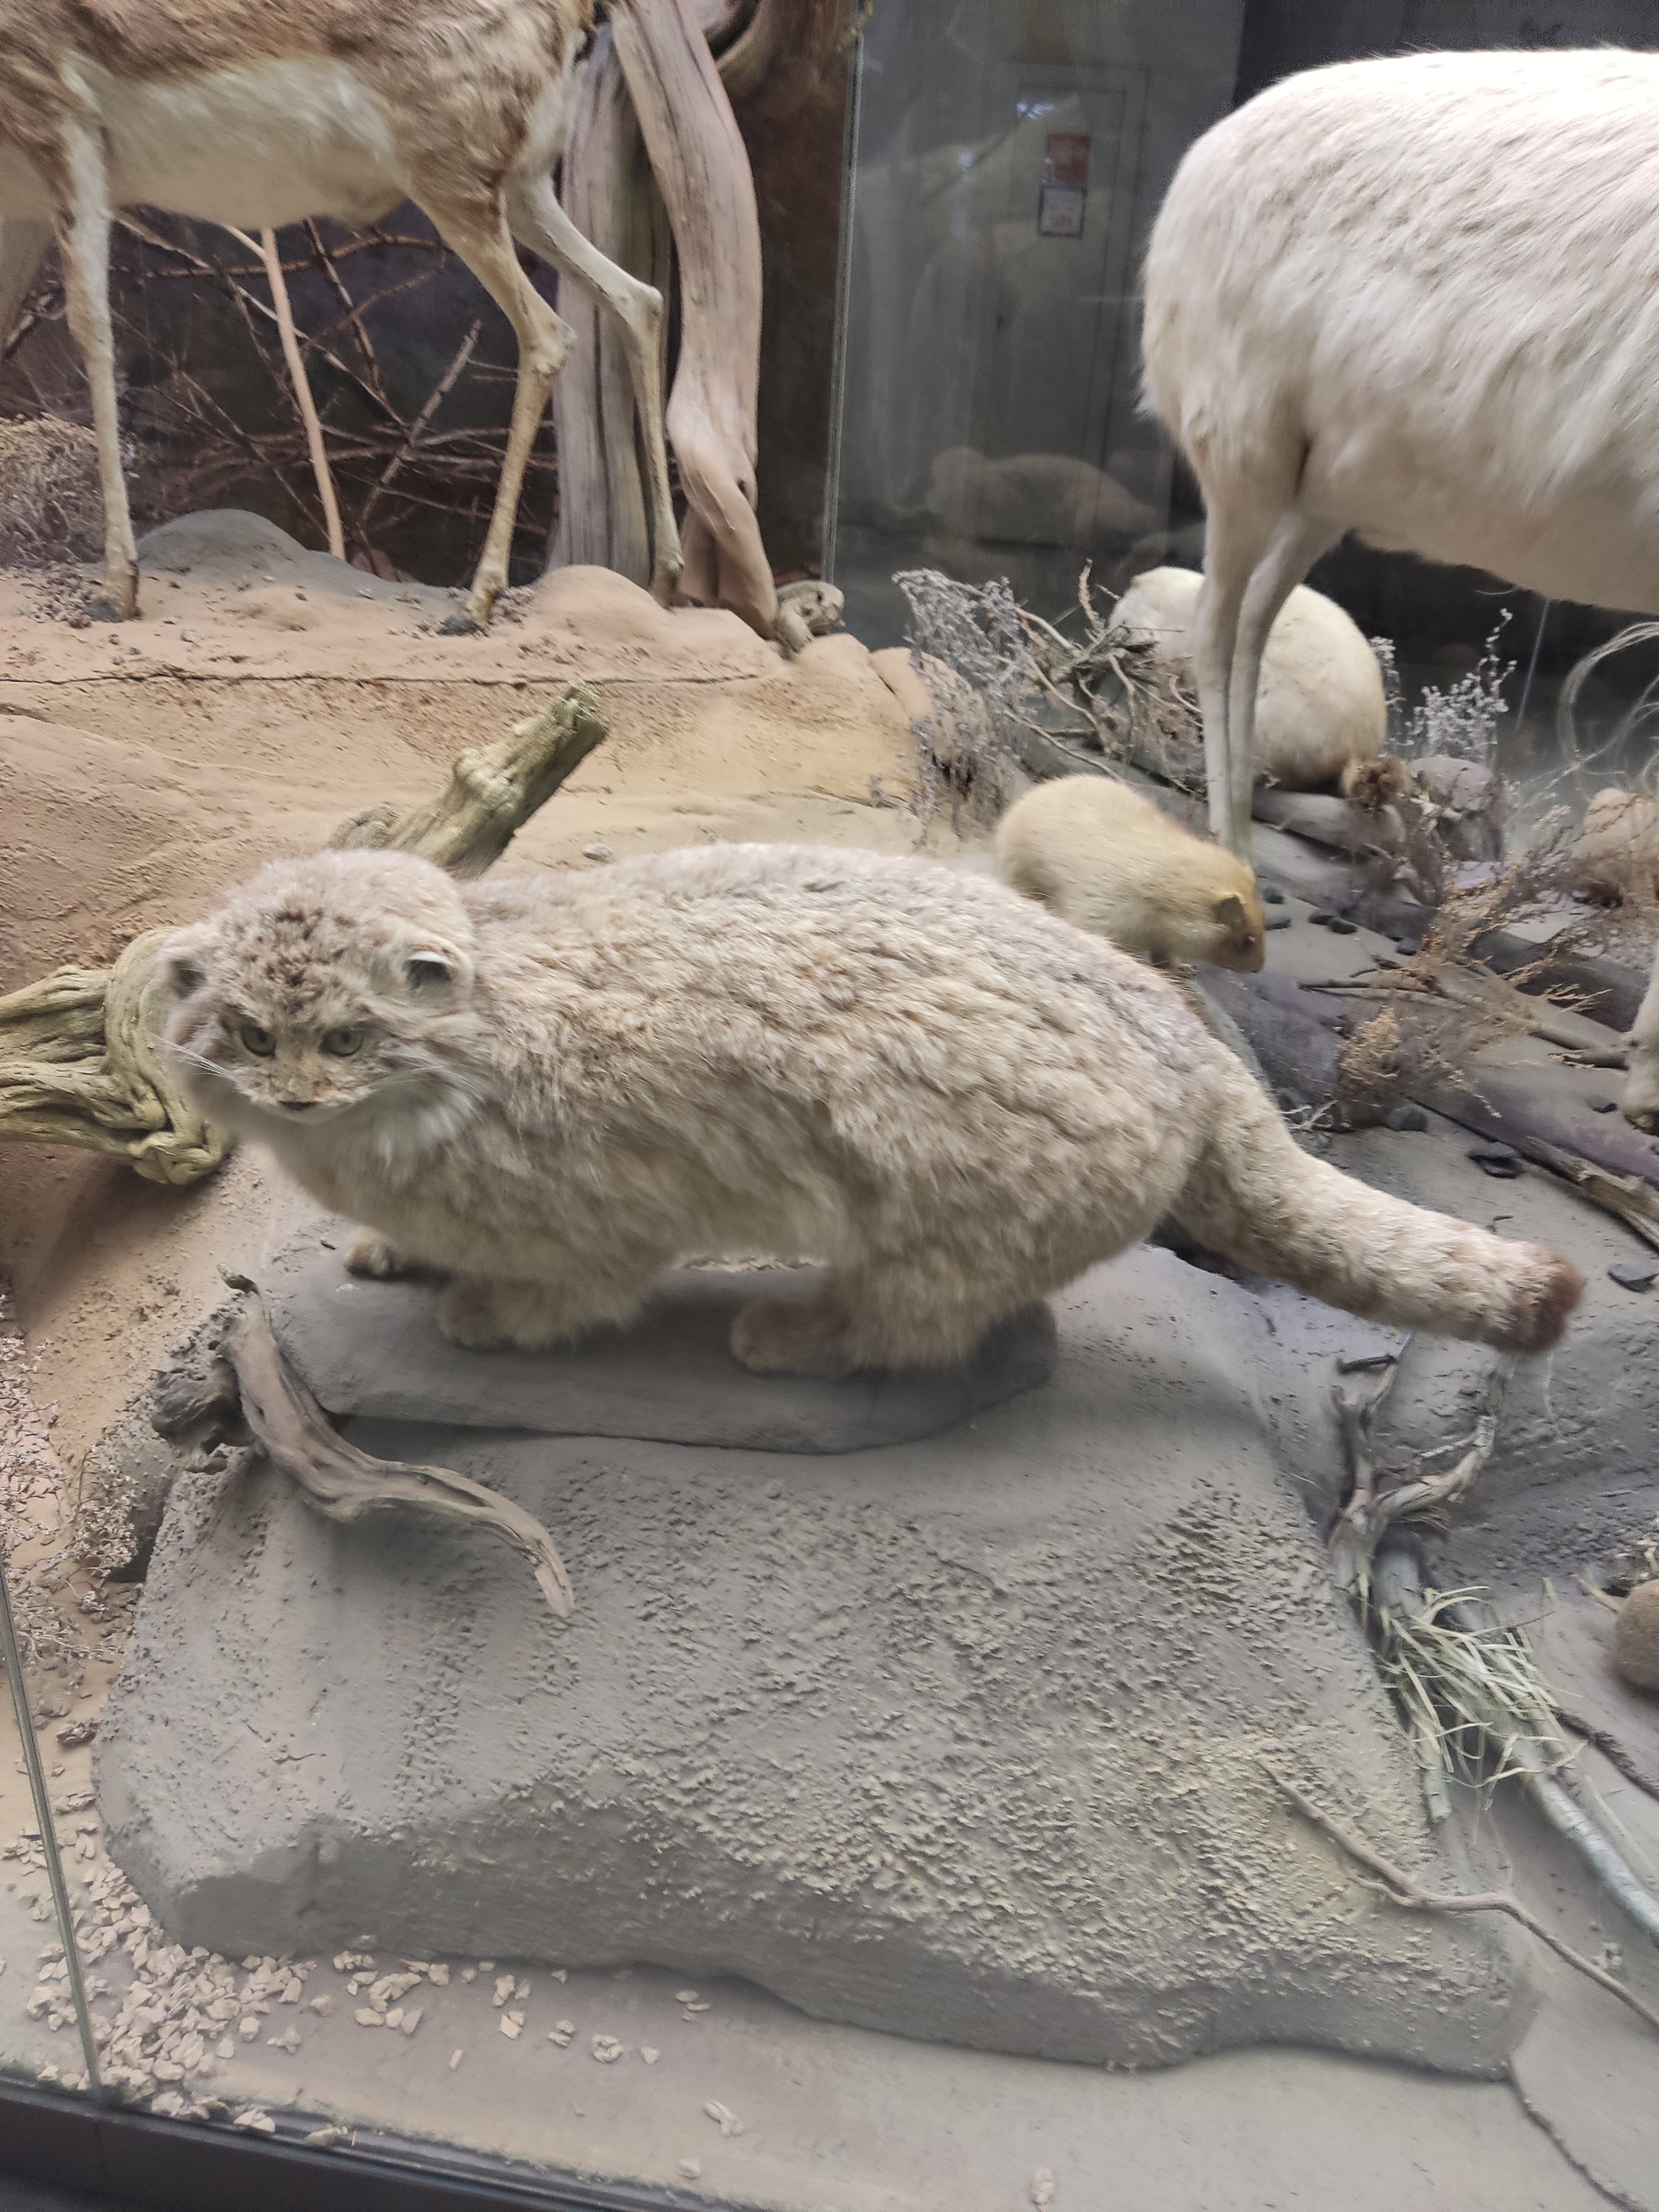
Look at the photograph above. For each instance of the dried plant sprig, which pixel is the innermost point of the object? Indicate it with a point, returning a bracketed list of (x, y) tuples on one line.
[(1404, 1890)]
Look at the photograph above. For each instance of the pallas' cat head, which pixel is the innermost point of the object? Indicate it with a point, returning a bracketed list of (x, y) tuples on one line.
[(328, 998)]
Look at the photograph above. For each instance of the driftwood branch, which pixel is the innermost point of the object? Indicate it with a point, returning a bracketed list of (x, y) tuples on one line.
[(493, 790), (1462, 984), (343, 1483), (1404, 1890), (701, 169), (80, 1056)]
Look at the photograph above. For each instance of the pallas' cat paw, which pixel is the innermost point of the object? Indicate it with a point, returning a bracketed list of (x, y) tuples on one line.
[(371, 1253)]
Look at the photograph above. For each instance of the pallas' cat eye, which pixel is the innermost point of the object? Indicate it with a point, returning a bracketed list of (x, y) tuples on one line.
[(345, 1040), (260, 1043)]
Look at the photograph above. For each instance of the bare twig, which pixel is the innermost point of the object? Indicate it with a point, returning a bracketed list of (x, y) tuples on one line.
[(1404, 1890), (353, 312), (413, 434), (344, 1483), (265, 247)]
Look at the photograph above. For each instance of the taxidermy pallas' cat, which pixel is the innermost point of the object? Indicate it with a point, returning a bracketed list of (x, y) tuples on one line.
[(554, 1085)]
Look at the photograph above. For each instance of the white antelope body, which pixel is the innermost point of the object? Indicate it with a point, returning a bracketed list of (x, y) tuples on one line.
[(1418, 298), (258, 112)]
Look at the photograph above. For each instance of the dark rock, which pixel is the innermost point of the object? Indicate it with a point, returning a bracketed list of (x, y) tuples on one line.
[(1408, 946), (1408, 1117), (1340, 926), (1599, 1105), (1272, 895), (1321, 916), (1635, 1274), (1279, 921)]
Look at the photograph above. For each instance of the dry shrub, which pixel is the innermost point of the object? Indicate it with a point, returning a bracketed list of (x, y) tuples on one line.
[(1413, 1048), (51, 507)]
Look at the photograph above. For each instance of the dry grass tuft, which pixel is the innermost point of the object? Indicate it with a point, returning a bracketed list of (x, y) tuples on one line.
[(51, 509)]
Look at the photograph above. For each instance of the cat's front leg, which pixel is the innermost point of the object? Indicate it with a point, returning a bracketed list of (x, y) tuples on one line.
[(371, 1253), (487, 1313)]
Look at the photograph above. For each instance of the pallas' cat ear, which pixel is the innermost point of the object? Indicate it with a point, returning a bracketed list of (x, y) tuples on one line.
[(182, 962), (432, 968), (1229, 908)]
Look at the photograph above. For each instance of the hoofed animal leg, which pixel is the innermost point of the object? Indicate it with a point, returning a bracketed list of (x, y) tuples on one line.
[(1215, 628), (84, 245), (1294, 547), (21, 244), (702, 171), (484, 242), (539, 219)]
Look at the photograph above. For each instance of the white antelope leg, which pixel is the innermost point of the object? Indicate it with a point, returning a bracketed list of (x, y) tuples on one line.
[(541, 222), (84, 245), (486, 246), (1296, 544), (21, 244)]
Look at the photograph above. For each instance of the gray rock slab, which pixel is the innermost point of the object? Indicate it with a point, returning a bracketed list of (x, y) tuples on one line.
[(961, 1740), (1576, 1468), (375, 1349)]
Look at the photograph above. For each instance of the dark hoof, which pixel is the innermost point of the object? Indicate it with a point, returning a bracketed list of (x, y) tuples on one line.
[(460, 625)]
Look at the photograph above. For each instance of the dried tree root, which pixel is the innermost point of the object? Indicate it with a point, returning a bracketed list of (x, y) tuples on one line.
[(343, 1483), (698, 158), (1368, 1513), (1400, 1888), (79, 1065), (79, 1062)]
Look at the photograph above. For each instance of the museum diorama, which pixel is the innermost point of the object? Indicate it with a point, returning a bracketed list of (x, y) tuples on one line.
[(829, 1103)]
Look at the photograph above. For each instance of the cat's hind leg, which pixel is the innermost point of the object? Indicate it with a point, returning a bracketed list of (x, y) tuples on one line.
[(913, 1310)]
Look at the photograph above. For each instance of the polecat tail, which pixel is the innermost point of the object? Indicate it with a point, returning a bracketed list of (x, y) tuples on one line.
[(1259, 1199)]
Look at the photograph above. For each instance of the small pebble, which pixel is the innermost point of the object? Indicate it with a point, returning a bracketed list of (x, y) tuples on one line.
[(1634, 1274), (1500, 1160), (724, 2117), (1320, 915), (607, 2050), (1408, 946), (511, 2026), (1408, 1117), (649, 2054), (596, 852), (561, 2032), (1272, 895), (455, 2057), (1599, 1105), (1339, 927), (1278, 922), (690, 2169)]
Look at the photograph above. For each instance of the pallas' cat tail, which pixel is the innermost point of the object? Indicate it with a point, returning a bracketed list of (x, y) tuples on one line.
[(1256, 1196)]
